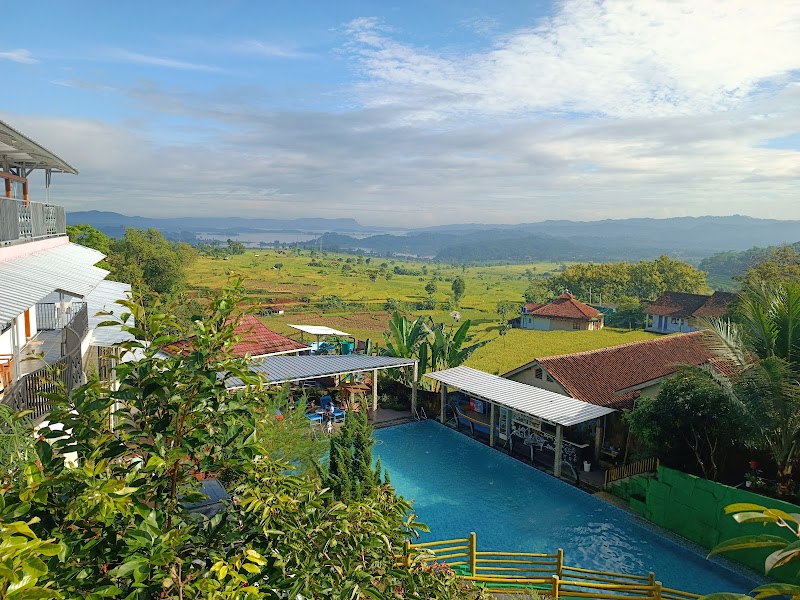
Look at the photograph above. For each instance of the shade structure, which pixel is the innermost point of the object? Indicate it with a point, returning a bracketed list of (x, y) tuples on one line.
[(18, 149), (550, 406), (319, 330), (284, 369)]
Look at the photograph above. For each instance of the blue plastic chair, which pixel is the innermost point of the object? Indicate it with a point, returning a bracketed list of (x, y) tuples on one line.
[(338, 414)]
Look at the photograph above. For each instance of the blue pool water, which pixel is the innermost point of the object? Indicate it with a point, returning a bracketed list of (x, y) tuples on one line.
[(459, 485)]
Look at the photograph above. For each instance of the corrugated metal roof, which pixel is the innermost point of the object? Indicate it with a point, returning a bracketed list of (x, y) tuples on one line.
[(531, 400), (281, 369), (102, 299), (26, 280), (21, 150)]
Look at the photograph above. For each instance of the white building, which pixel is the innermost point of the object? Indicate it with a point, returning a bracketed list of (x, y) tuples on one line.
[(50, 288)]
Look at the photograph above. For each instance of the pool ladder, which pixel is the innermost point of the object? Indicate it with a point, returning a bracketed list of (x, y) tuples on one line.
[(420, 414)]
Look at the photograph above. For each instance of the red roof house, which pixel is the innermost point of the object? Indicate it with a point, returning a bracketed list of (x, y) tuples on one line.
[(616, 376), (565, 312), (255, 339), (674, 312)]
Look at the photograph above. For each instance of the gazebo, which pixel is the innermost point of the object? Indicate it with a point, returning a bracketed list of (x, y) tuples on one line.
[(275, 370), (510, 409), (320, 331)]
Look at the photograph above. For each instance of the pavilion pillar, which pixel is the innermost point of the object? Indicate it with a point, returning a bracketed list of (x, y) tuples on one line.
[(598, 438), (559, 450), (491, 424), (16, 370), (374, 391), (443, 393), (8, 187), (414, 389)]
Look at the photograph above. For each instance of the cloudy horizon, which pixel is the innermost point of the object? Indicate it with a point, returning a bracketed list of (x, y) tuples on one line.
[(419, 115)]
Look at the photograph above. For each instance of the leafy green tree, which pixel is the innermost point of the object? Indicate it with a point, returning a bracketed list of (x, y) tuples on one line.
[(691, 422), (105, 509), (431, 288), (764, 346), (450, 349), (538, 291), (88, 236), (459, 287), (782, 264)]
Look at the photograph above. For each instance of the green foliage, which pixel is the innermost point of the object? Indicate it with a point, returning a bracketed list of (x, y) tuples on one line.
[(645, 280), (350, 472), (691, 422), (763, 344), (88, 236), (105, 502), (16, 442), (459, 288), (787, 551), (431, 288)]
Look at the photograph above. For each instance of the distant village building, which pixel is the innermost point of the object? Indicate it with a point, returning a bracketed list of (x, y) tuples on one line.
[(678, 312), (564, 313)]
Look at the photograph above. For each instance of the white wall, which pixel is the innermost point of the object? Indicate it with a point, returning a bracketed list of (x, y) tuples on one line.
[(5, 343)]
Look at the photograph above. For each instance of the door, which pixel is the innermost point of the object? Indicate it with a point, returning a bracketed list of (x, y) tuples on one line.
[(27, 324)]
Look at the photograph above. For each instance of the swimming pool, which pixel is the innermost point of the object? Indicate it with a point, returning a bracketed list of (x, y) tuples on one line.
[(459, 485)]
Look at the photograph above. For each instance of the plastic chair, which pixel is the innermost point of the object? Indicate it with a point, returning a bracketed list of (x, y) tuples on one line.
[(338, 414)]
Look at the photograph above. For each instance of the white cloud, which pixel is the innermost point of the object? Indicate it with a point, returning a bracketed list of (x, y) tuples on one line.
[(159, 61), (610, 58), (263, 49), (20, 56)]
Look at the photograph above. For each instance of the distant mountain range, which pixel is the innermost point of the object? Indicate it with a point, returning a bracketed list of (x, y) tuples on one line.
[(691, 238)]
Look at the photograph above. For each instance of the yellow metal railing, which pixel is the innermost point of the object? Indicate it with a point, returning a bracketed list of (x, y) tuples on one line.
[(518, 572), (646, 465)]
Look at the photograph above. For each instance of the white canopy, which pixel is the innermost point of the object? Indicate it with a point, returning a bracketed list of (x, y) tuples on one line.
[(319, 330), (544, 404)]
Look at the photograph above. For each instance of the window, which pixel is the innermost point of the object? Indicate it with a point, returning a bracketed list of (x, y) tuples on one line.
[(550, 379), (537, 373), (576, 324), (675, 320)]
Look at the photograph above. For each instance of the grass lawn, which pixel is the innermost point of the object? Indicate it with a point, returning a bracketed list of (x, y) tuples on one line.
[(485, 287)]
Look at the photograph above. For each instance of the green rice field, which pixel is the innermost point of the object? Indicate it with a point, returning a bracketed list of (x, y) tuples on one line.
[(352, 302)]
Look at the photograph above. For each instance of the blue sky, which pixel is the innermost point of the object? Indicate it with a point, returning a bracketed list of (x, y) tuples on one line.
[(414, 112)]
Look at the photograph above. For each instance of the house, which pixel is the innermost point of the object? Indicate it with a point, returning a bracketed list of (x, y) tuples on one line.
[(615, 377), (255, 341), (563, 313), (678, 312), (50, 288)]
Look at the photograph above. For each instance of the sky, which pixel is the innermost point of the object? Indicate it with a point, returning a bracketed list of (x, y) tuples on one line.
[(413, 113)]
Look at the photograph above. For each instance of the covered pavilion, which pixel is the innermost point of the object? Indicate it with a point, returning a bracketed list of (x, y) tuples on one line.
[(276, 370), (521, 410), (320, 331)]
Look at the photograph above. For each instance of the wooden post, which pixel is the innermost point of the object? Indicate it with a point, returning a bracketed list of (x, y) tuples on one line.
[(414, 389), (598, 438), (443, 394), (657, 591), (651, 578), (491, 424), (407, 554), (8, 187), (554, 592), (560, 562), (559, 450), (25, 192), (473, 558), (374, 392)]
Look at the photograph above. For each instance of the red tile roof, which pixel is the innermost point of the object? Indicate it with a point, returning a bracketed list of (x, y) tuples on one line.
[(531, 306), (254, 339), (598, 376), (566, 307), (683, 305)]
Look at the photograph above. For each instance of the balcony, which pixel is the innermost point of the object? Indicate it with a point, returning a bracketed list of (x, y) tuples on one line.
[(22, 221), (51, 360)]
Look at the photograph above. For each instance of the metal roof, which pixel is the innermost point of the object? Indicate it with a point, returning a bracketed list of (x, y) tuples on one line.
[(20, 150), (103, 300), (544, 404), (282, 369), (24, 281), (319, 330)]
